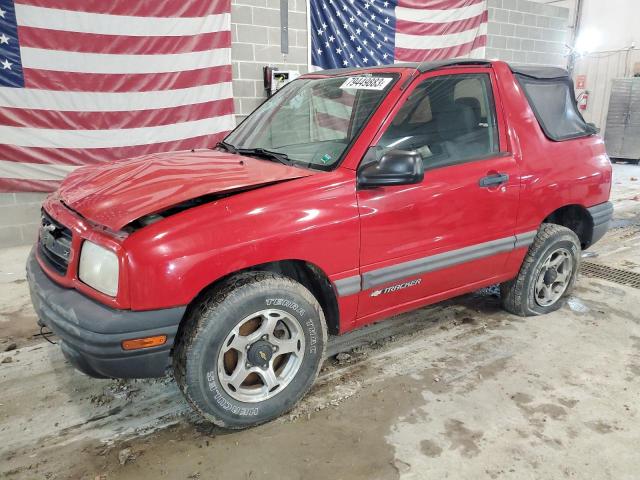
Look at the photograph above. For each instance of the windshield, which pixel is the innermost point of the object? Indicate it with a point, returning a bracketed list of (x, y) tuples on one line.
[(313, 121)]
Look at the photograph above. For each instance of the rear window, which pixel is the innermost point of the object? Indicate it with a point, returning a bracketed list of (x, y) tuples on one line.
[(554, 105)]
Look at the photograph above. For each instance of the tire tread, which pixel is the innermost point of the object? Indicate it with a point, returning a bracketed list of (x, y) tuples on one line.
[(200, 314), (513, 293)]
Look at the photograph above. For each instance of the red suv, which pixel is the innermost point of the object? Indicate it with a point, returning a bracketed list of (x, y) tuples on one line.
[(347, 197)]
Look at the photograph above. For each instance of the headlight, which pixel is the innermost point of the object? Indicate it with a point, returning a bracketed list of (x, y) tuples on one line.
[(99, 268)]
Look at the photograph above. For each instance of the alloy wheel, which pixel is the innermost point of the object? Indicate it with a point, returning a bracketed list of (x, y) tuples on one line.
[(554, 277), (261, 355)]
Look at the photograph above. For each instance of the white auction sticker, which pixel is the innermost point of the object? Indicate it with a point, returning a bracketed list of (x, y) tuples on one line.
[(366, 83)]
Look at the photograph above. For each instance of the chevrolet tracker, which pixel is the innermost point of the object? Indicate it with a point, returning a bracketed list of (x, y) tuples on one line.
[(347, 197)]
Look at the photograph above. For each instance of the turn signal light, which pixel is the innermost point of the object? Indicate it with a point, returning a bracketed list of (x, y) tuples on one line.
[(146, 342)]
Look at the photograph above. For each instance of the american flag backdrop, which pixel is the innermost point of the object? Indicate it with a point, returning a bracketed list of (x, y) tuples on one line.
[(360, 33), (88, 81)]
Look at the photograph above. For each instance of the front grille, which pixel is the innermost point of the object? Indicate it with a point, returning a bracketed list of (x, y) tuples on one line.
[(54, 244)]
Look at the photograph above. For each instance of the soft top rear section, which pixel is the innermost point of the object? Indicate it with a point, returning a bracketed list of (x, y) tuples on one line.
[(552, 98)]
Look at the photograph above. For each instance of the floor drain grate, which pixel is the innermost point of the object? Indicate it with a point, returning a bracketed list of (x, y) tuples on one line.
[(617, 275)]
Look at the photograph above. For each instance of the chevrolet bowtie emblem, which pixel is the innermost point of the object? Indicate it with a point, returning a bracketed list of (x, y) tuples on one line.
[(263, 355)]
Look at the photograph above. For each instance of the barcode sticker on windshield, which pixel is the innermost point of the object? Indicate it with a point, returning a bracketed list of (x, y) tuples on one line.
[(366, 83)]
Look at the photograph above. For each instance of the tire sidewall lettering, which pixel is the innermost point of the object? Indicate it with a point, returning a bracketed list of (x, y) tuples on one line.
[(226, 404), (305, 320), (283, 302)]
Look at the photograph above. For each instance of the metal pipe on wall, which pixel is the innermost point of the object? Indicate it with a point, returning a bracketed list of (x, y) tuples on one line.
[(574, 37)]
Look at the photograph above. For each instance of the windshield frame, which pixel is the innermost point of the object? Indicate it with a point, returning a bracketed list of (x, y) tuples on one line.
[(394, 75)]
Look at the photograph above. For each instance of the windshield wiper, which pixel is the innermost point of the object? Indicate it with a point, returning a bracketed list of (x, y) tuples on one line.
[(227, 146), (268, 154)]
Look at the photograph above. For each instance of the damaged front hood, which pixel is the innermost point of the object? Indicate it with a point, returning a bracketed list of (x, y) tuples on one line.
[(116, 194)]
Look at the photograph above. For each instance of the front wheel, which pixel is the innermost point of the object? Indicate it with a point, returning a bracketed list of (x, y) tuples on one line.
[(547, 275), (250, 350)]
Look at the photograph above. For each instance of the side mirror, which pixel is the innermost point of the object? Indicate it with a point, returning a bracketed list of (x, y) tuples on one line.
[(396, 167)]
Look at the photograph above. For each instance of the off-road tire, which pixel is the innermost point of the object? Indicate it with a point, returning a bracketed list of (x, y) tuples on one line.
[(518, 295), (209, 322)]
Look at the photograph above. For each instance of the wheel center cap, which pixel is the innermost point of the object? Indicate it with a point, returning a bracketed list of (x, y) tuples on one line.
[(550, 276), (260, 353)]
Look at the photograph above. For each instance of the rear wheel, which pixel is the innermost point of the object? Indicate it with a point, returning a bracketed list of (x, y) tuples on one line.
[(547, 274), (251, 350)]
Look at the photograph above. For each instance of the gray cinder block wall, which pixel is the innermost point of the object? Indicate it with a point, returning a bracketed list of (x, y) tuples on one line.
[(19, 217), (255, 34), (527, 32)]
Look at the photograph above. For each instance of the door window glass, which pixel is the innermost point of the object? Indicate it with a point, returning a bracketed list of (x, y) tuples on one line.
[(449, 119)]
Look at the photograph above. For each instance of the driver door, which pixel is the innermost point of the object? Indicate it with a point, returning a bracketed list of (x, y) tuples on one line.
[(452, 232)]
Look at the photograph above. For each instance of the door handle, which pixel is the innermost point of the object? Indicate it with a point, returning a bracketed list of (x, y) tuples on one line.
[(494, 180)]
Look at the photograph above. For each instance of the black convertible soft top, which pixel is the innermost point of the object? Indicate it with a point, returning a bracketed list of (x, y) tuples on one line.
[(541, 73), (552, 98)]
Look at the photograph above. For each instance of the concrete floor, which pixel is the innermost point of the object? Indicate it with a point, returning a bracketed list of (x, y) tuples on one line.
[(457, 390)]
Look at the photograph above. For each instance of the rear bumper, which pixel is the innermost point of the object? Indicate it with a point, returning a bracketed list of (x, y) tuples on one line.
[(601, 215), (91, 334)]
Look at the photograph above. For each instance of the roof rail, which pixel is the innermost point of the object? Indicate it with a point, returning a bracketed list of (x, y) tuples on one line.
[(420, 67), (454, 62)]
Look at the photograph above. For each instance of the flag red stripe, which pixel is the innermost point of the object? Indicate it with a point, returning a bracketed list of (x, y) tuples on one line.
[(120, 44), (15, 185), (46, 117), (18, 117), (331, 122), (346, 98), (138, 8), (417, 28), (131, 82), (89, 156), (413, 55), (437, 4)]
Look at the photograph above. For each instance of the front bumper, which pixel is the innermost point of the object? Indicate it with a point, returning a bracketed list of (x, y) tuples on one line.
[(91, 334)]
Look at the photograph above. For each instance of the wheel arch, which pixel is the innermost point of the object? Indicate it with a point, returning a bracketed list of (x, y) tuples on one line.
[(577, 219), (306, 273)]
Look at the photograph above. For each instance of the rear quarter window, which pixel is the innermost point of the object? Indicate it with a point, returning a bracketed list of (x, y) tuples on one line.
[(554, 105)]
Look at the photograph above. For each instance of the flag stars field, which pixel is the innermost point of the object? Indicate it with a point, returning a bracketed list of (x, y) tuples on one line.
[(401, 30)]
